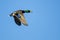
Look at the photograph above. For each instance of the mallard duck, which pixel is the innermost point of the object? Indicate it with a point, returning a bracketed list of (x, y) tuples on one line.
[(19, 17)]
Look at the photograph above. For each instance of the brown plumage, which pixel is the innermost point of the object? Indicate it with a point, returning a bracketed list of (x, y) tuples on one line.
[(19, 17)]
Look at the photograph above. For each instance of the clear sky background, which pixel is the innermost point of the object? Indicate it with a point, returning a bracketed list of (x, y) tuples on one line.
[(44, 21)]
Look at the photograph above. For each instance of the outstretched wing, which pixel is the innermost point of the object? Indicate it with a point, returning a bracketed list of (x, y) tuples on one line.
[(22, 19), (17, 20)]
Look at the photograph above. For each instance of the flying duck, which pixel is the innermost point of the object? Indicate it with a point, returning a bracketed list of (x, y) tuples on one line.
[(19, 17)]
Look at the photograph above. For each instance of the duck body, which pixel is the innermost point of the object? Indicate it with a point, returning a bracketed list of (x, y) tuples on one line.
[(19, 17)]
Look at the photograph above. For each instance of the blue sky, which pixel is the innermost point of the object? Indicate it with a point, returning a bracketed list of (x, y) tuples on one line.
[(44, 21)]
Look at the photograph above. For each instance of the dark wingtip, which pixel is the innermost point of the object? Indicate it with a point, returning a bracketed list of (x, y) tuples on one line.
[(11, 14)]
